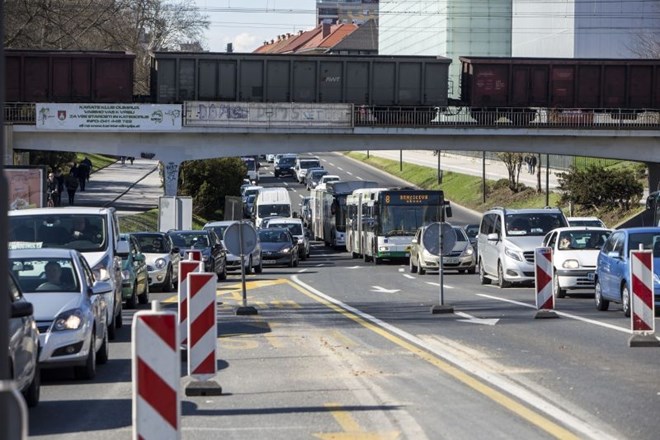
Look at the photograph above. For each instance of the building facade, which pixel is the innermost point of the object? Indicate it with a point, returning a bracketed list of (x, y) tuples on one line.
[(448, 28), (346, 11)]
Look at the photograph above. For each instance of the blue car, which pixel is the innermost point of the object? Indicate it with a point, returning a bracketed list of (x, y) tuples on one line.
[(613, 267)]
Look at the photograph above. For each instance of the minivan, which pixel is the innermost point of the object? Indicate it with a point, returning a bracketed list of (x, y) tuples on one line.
[(303, 163), (94, 232), (507, 240), (271, 202)]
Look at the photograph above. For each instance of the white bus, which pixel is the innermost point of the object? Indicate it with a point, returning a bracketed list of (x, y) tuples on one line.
[(328, 203), (383, 221)]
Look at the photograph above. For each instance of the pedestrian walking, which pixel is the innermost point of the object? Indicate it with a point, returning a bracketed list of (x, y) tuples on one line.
[(131, 158), (71, 186), (534, 161), (51, 190), (83, 175), (59, 177), (123, 160), (528, 162), (87, 162)]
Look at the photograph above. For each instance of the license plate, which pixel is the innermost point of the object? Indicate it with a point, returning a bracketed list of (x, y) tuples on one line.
[(450, 260), (270, 261)]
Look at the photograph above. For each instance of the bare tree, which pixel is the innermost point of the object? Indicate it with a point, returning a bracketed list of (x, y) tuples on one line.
[(513, 163)]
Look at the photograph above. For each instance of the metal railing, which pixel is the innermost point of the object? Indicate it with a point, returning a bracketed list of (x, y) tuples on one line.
[(380, 116)]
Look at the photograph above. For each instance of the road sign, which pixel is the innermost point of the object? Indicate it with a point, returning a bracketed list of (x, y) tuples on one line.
[(431, 240), (240, 231)]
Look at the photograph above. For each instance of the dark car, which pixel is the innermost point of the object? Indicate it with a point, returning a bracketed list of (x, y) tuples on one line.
[(134, 274), (214, 255), (314, 176), (613, 279), (23, 345), (285, 166), (278, 247)]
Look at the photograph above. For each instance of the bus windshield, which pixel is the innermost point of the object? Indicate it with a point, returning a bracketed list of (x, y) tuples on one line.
[(404, 220)]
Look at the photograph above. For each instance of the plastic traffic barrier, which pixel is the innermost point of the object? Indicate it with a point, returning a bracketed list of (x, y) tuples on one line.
[(543, 270), (185, 269), (642, 301)]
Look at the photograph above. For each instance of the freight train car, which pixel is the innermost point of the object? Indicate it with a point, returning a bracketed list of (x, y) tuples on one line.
[(621, 87), (68, 76), (384, 82)]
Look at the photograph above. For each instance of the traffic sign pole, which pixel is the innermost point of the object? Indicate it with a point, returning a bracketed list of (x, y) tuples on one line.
[(446, 239), (241, 239)]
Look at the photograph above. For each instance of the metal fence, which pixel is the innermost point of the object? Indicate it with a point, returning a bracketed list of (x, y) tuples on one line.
[(556, 161)]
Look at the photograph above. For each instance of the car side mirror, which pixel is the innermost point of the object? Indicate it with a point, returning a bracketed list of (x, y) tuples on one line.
[(21, 309), (493, 237), (122, 248), (101, 288)]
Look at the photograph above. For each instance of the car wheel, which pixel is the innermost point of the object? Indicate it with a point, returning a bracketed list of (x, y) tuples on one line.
[(377, 260), (472, 270), (223, 272), (601, 303), (31, 394), (296, 261), (88, 371), (104, 352), (483, 279), (260, 267), (411, 266), (143, 298), (249, 269), (168, 284), (559, 292), (501, 282), (131, 302), (420, 268), (119, 319), (625, 300), (112, 328), (461, 270), (366, 258), (354, 255), (290, 262)]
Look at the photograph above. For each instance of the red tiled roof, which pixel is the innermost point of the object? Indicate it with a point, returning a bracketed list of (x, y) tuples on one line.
[(310, 40)]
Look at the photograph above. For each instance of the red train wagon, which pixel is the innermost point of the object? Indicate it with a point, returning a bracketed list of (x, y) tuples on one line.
[(626, 86), (68, 76)]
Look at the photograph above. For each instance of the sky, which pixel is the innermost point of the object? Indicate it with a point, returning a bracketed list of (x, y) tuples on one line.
[(248, 23)]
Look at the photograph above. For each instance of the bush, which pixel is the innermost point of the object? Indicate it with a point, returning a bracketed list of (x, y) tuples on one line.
[(599, 188)]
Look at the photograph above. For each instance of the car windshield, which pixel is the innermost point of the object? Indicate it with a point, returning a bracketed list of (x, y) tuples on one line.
[(45, 274), (281, 210), (575, 240), (460, 235), (649, 240), (294, 228), (152, 243), (472, 230), (306, 164), (219, 230), (534, 224), (274, 236), (82, 232), (190, 240), (287, 161)]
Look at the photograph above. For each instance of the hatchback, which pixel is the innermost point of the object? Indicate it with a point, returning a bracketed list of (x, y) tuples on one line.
[(134, 273), (162, 259), (613, 279), (69, 307), (461, 258), (214, 254), (279, 247)]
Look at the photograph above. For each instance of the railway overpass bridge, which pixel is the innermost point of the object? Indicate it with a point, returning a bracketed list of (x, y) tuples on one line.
[(635, 140)]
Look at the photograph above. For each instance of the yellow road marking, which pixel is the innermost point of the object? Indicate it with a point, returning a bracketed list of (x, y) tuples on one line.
[(352, 430), (285, 304), (536, 419), (231, 289)]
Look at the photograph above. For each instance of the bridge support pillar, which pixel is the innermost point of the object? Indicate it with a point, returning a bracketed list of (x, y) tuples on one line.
[(171, 177), (654, 176)]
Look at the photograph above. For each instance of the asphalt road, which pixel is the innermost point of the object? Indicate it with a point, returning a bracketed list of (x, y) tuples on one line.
[(344, 349)]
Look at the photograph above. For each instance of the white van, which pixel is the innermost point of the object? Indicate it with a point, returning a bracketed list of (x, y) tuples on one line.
[(271, 202), (94, 232), (303, 163)]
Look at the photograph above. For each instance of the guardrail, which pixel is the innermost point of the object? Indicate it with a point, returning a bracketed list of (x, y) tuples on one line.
[(381, 116)]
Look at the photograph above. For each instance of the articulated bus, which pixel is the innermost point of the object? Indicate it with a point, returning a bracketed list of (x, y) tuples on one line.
[(383, 221), (328, 204)]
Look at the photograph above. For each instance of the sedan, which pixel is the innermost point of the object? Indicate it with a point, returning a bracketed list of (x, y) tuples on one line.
[(23, 345), (613, 278), (461, 258), (69, 307), (574, 255), (279, 247), (134, 274), (162, 259), (214, 254)]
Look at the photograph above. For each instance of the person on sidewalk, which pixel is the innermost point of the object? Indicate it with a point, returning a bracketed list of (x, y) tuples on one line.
[(88, 163), (131, 158), (83, 175), (51, 189), (59, 177), (534, 161), (71, 186)]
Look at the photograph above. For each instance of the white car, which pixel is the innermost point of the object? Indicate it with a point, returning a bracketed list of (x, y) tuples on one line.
[(329, 178), (251, 262), (162, 259), (574, 256), (69, 307), (594, 222)]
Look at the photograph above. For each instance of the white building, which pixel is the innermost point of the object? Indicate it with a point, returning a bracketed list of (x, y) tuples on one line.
[(583, 28), (448, 28)]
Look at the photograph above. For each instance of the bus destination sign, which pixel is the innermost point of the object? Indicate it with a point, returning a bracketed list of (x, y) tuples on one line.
[(414, 198)]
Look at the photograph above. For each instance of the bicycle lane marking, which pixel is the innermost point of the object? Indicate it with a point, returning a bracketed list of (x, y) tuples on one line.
[(463, 371)]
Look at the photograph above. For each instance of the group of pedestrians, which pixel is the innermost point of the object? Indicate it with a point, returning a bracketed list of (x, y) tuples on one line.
[(531, 161), (77, 178)]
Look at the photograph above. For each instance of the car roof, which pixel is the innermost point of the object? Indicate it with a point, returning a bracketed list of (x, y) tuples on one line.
[(653, 229), (582, 218), (188, 231), (582, 228), (280, 220), (61, 210), (42, 253), (148, 233), (525, 210), (221, 223)]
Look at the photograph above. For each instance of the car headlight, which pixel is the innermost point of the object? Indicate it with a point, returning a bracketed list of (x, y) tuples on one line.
[(125, 275), (468, 251), (656, 278), (383, 249), (286, 250), (160, 263), (69, 320), (101, 270), (570, 264), (513, 254), (277, 167)]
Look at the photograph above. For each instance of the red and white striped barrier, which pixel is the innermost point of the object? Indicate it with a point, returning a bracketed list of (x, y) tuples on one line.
[(185, 269), (193, 254), (543, 270), (641, 294), (202, 326), (156, 376)]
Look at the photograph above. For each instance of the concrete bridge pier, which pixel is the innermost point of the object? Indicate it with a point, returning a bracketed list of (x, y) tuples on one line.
[(171, 176), (654, 176)]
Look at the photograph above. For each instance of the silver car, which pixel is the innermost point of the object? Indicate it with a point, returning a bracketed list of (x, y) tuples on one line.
[(251, 262), (162, 259), (69, 307), (461, 258)]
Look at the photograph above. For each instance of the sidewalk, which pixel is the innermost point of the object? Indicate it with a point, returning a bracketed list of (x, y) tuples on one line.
[(129, 188), (472, 166)]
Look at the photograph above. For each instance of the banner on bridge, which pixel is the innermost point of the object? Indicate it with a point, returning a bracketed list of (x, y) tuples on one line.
[(243, 114), (109, 117)]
